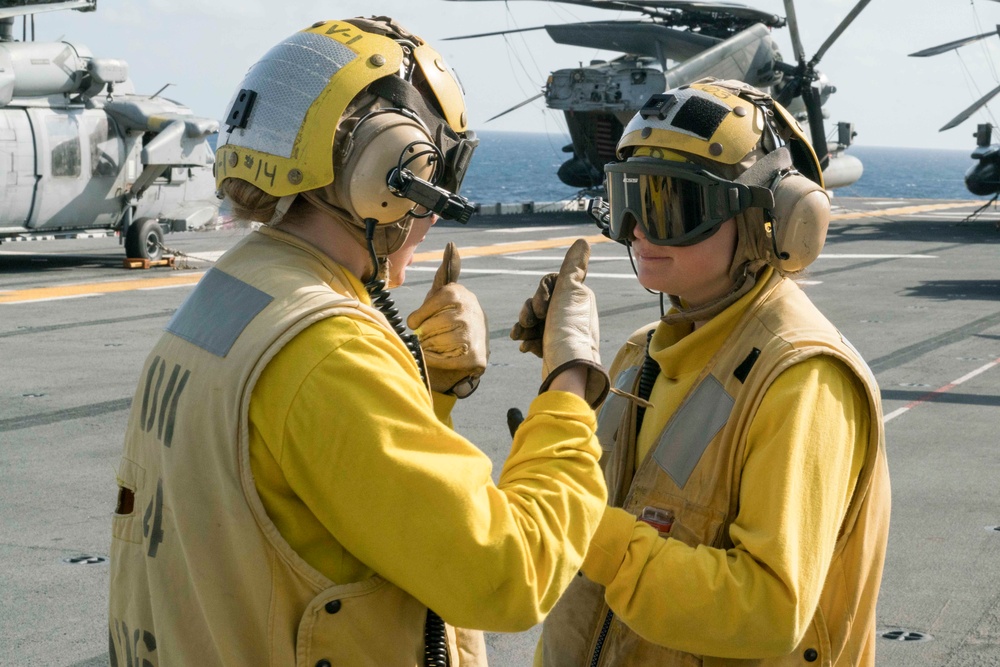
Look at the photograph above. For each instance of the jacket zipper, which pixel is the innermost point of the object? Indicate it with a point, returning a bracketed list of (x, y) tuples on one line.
[(601, 637), (647, 376)]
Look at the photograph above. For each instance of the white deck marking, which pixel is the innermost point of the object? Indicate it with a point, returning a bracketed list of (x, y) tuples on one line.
[(829, 255), (523, 230), (512, 272), (940, 390), (554, 258)]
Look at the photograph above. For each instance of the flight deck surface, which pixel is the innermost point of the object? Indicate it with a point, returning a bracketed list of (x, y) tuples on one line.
[(916, 290)]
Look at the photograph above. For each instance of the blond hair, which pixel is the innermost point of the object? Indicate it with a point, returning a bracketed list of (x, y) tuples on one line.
[(249, 202)]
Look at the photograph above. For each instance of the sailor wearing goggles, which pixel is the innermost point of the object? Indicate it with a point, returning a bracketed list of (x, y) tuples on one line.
[(743, 445)]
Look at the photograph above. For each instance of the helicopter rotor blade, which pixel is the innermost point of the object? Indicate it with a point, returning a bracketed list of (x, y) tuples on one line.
[(981, 102), (802, 86), (835, 35), (633, 37), (793, 29), (950, 46), (491, 34), (659, 7), (817, 127), (516, 106)]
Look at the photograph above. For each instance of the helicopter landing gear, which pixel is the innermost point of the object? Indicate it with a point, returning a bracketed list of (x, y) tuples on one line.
[(144, 240)]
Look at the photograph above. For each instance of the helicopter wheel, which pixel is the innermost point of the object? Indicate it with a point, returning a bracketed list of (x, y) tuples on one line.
[(144, 240)]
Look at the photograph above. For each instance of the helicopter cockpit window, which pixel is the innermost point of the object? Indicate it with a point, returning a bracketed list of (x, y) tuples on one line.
[(106, 148), (64, 140)]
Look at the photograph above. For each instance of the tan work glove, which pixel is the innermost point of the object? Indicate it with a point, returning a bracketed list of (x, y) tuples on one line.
[(451, 327), (559, 324)]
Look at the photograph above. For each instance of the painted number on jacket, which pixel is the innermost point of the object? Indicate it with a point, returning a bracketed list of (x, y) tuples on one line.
[(152, 520), (130, 648), (159, 400)]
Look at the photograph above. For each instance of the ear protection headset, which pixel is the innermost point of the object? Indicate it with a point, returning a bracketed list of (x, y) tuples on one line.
[(382, 142), (796, 220), (418, 148)]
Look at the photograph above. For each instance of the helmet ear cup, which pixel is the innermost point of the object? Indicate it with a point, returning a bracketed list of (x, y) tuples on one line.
[(377, 146), (800, 218)]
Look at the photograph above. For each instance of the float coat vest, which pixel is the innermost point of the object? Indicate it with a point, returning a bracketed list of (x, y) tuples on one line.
[(694, 469), (199, 573)]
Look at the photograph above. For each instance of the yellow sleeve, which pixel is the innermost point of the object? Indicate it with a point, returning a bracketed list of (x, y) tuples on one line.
[(361, 447), (443, 405), (805, 450)]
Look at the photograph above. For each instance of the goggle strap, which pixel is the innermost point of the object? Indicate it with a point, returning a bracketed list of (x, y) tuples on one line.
[(760, 197), (403, 94), (760, 177), (762, 172)]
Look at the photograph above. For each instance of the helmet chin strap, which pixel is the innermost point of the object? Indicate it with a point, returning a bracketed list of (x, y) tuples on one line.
[(281, 208), (705, 312)]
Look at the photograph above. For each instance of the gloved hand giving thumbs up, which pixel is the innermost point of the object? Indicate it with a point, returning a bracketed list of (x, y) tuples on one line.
[(452, 330), (559, 324)]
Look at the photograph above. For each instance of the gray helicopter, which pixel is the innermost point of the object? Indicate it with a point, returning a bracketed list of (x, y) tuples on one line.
[(676, 43), (82, 154)]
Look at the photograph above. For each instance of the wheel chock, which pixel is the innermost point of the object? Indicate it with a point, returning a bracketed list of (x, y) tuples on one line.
[(139, 263)]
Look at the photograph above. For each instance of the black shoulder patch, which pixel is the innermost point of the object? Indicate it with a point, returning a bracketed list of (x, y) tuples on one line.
[(743, 370), (700, 116)]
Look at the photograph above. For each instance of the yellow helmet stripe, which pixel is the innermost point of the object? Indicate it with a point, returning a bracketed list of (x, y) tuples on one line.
[(283, 165), (444, 86)]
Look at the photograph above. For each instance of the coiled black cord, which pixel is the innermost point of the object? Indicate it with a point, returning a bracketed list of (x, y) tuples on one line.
[(435, 641), (435, 635), (383, 302)]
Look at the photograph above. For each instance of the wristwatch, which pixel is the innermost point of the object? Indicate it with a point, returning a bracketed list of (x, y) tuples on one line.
[(464, 387)]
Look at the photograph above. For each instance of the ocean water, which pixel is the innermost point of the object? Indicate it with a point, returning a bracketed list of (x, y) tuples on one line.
[(905, 173), (510, 167)]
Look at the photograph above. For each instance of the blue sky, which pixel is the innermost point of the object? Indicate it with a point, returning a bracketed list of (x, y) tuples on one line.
[(203, 47)]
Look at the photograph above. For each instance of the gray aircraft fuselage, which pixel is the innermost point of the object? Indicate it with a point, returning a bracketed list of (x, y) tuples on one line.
[(80, 151)]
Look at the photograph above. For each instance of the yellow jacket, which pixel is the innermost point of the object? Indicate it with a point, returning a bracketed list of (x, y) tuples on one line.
[(203, 573), (765, 440)]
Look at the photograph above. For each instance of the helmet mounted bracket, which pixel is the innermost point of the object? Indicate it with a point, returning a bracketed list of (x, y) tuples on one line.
[(239, 114)]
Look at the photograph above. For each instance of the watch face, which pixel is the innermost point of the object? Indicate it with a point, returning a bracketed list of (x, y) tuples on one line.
[(465, 387)]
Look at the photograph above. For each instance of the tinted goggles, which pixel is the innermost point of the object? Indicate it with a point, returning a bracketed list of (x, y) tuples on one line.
[(676, 203)]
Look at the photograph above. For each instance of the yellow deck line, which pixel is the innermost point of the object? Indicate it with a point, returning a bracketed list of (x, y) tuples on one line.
[(510, 248), (88, 289), (902, 210)]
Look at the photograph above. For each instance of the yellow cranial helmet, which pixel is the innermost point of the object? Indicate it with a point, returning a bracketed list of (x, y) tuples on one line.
[(726, 123), (699, 155), (335, 109)]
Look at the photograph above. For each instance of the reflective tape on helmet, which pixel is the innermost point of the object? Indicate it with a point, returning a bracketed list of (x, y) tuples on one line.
[(303, 86)]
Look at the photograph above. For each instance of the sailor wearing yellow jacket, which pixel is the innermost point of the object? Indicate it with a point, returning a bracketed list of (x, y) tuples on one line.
[(744, 452), (291, 492)]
